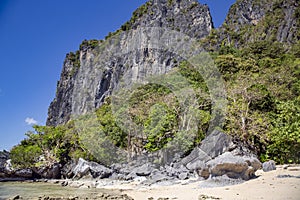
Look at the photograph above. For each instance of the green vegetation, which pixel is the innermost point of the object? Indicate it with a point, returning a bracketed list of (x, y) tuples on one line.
[(138, 13), (74, 58), (92, 44), (48, 145), (263, 92)]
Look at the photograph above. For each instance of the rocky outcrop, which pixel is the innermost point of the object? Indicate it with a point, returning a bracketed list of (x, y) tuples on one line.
[(61, 107), (4, 156), (248, 21), (48, 172), (218, 156), (274, 20), (85, 169), (5, 166), (91, 74), (7, 172)]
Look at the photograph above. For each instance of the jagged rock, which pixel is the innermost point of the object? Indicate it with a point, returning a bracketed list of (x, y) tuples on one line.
[(253, 14), (216, 144), (17, 197), (49, 172), (196, 155), (157, 176), (196, 165), (269, 166), (4, 156), (144, 170), (85, 168), (8, 168), (24, 173), (218, 155), (183, 176), (67, 169)]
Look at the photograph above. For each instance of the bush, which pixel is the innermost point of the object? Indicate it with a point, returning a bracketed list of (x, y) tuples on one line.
[(25, 156), (285, 134)]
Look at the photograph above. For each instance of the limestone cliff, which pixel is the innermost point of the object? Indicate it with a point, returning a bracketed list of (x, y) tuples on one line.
[(90, 75), (252, 20)]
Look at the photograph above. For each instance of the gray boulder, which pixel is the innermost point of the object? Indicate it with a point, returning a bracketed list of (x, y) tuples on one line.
[(24, 173), (269, 166), (196, 155), (144, 170), (216, 144), (218, 155), (4, 156), (49, 172), (196, 165), (157, 176), (67, 170), (236, 167), (85, 169), (183, 176)]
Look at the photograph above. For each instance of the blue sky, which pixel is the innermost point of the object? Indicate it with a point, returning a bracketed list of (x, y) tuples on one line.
[(35, 36)]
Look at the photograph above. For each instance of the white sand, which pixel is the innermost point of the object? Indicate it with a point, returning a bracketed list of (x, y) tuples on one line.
[(266, 186)]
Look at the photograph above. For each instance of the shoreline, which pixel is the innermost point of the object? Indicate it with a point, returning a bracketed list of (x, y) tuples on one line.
[(278, 184)]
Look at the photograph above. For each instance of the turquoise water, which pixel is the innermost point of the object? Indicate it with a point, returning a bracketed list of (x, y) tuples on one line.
[(35, 190)]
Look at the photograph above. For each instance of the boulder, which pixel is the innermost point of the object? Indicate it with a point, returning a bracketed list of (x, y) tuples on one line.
[(196, 155), (218, 155), (235, 167), (24, 173), (269, 166), (183, 176), (4, 156), (8, 168), (216, 144), (157, 176), (144, 170), (67, 170), (203, 172), (85, 168), (49, 172), (196, 165)]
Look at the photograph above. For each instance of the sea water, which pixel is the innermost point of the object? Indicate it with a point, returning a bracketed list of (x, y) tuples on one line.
[(34, 190)]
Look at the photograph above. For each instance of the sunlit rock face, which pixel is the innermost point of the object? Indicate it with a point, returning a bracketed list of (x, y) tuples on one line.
[(131, 54)]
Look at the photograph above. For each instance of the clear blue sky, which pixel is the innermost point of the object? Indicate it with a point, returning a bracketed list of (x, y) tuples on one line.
[(35, 36)]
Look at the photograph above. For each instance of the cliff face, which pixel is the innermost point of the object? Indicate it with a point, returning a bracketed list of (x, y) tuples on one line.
[(253, 20), (91, 74)]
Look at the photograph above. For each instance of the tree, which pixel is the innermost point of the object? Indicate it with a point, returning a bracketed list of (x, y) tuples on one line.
[(285, 133)]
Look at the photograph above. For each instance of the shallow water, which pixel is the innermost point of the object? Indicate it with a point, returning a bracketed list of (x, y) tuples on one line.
[(35, 190)]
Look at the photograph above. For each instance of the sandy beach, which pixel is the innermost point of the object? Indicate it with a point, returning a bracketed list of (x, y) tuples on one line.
[(266, 186), (278, 184)]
